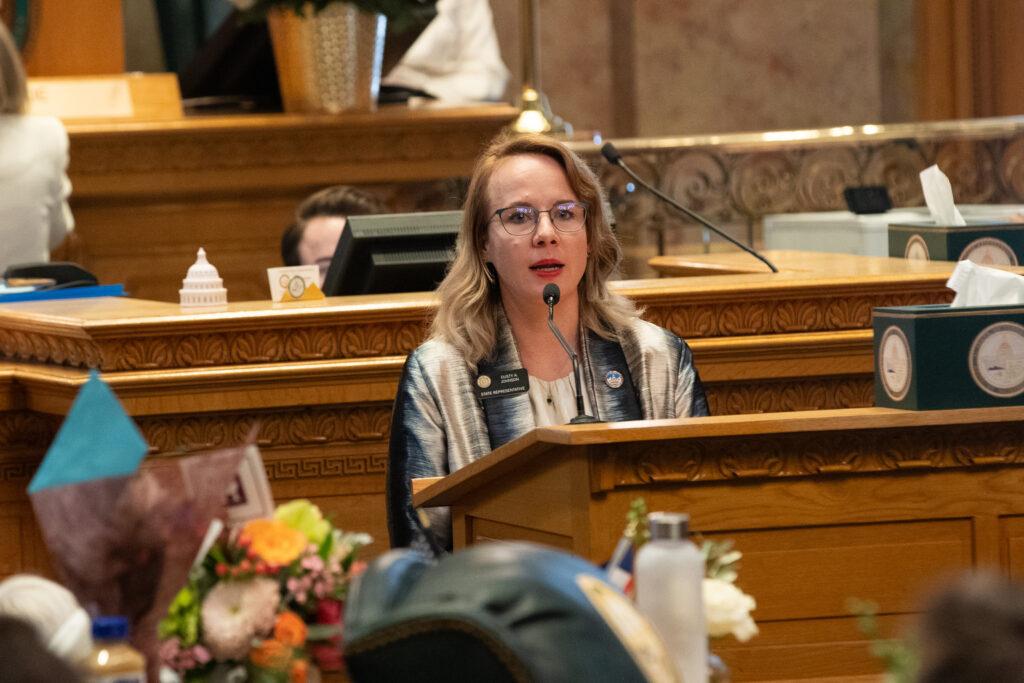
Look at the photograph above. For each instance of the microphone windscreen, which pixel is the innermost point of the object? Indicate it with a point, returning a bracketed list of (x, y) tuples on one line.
[(552, 294), (609, 152)]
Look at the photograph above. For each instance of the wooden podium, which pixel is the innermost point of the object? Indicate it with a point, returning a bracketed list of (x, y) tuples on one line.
[(826, 506)]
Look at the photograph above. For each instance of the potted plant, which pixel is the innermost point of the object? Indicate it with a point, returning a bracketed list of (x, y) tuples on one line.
[(329, 52)]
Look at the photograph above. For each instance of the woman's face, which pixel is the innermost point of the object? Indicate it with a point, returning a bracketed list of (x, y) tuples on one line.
[(526, 263)]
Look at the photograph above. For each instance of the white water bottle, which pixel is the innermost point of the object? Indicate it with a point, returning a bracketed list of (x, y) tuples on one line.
[(669, 575)]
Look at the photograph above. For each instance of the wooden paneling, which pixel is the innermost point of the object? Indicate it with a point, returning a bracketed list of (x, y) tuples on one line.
[(968, 64), (75, 38), (320, 377), (1012, 533), (826, 506), (147, 195)]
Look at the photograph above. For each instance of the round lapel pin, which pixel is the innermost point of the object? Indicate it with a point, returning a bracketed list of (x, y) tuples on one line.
[(613, 379), (483, 381)]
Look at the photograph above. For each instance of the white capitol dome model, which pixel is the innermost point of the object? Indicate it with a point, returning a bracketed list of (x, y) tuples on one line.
[(202, 285)]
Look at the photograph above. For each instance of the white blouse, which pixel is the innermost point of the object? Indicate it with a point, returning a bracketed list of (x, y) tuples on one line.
[(554, 402), (34, 214)]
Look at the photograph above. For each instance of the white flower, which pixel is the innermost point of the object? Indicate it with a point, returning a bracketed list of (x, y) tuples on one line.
[(234, 612), (727, 610)]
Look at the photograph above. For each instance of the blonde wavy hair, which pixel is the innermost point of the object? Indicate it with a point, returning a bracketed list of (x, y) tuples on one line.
[(470, 295)]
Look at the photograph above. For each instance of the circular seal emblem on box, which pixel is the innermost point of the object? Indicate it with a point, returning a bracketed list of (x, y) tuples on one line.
[(296, 286), (916, 249), (894, 365), (996, 360), (483, 381), (989, 251)]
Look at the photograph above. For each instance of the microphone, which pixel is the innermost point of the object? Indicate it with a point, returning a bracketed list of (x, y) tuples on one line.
[(552, 295), (613, 157)]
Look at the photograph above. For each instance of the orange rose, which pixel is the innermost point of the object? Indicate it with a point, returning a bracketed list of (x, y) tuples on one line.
[(290, 629), (298, 671), (274, 542), (271, 654)]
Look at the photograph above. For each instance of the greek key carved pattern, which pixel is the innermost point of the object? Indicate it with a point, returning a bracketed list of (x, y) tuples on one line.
[(814, 454), (739, 398)]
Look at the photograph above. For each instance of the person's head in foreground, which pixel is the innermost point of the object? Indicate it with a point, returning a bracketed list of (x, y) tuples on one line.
[(973, 632), (62, 625), (25, 659), (319, 221)]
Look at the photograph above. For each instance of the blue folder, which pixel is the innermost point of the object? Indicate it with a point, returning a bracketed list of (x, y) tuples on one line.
[(69, 293)]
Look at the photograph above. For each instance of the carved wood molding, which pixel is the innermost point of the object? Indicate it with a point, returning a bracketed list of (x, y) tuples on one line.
[(296, 427), (743, 177), (773, 314), (809, 454), (24, 429), (282, 340), (234, 347), (738, 398), (317, 428)]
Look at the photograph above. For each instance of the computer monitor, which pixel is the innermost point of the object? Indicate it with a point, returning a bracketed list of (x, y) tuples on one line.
[(397, 252)]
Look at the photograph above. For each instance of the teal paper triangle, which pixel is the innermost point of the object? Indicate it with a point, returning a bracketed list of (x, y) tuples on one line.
[(96, 441)]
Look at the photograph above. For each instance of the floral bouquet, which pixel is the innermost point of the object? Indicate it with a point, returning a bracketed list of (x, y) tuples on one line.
[(265, 602)]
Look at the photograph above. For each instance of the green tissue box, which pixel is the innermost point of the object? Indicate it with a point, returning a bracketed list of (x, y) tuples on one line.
[(934, 357), (985, 242)]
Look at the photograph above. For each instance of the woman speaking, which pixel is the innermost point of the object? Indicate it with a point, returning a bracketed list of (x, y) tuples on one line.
[(492, 369)]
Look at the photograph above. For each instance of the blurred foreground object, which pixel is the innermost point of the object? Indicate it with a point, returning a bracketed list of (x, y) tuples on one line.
[(120, 539), (496, 612)]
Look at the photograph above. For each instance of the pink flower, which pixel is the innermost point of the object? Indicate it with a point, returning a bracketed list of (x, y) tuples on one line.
[(313, 563), (182, 659), (234, 612), (201, 654)]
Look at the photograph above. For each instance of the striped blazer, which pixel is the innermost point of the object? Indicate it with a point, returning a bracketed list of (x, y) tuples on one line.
[(439, 424)]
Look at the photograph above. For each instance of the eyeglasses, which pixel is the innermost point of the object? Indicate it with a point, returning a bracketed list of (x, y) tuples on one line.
[(523, 220)]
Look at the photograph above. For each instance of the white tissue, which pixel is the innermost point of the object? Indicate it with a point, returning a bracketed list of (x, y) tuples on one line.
[(938, 195), (980, 286)]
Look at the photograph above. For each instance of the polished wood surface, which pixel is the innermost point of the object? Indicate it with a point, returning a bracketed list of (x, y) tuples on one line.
[(146, 195), (872, 503), (798, 265)]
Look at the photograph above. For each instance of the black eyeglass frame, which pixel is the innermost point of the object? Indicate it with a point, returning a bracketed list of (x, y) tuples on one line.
[(536, 223)]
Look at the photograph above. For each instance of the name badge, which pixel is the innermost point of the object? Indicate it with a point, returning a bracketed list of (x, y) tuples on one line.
[(502, 384)]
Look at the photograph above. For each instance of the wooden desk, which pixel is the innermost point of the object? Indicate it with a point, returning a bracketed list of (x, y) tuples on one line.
[(147, 195), (792, 263), (320, 377), (874, 503)]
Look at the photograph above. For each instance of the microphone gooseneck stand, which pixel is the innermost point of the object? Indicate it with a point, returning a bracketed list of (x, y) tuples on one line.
[(552, 294), (613, 157)]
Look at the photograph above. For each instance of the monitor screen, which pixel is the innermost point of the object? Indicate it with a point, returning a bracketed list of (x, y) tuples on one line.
[(397, 252)]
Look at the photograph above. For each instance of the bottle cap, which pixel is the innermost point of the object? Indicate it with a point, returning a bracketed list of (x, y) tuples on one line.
[(110, 628), (668, 526)]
